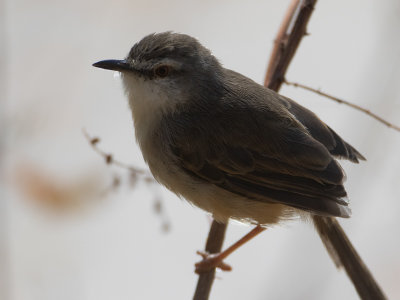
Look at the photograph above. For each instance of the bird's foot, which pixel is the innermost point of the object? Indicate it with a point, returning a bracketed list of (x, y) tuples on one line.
[(211, 261)]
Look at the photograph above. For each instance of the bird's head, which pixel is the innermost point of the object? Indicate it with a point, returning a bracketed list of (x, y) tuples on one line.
[(165, 70)]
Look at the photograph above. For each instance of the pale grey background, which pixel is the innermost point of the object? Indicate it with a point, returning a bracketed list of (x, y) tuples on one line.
[(115, 248)]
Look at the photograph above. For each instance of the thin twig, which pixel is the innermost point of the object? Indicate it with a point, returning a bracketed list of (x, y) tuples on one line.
[(135, 174), (286, 44), (341, 101), (109, 159)]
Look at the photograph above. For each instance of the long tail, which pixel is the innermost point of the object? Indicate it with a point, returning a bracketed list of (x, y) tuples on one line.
[(344, 255)]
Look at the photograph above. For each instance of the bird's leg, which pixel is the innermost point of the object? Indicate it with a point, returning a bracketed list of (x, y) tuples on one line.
[(211, 261)]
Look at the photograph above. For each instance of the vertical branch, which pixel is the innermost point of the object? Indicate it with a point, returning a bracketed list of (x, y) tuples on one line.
[(290, 33), (280, 42), (292, 30), (215, 240)]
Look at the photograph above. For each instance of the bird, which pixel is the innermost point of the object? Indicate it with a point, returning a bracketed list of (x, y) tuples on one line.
[(227, 144)]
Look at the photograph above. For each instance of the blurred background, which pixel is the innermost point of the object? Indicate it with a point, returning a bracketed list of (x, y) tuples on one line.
[(74, 227)]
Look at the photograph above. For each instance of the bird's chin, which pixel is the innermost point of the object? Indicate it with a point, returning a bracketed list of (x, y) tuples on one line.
[(130, 82)]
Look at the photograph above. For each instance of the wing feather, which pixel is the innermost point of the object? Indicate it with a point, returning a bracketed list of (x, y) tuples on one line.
[(267, 148)]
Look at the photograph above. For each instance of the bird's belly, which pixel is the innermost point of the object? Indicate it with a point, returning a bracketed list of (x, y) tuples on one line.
[(221, 203)]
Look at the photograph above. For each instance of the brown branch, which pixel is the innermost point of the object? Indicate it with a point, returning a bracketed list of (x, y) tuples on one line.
[(344, 254), (215, 240), (286, 44), (280, 41), (341, 101), (291, 31)]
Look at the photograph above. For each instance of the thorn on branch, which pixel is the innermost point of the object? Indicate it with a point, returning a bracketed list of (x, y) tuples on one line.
[(94, 141), (108, 158)]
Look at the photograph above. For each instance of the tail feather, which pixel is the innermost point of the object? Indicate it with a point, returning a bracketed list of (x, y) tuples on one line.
[(344, 255)]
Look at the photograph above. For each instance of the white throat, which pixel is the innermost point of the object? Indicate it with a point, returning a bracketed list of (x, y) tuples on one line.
[(148, 100)]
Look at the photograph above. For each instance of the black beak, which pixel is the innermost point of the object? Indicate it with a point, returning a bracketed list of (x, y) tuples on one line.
[(113, 64)]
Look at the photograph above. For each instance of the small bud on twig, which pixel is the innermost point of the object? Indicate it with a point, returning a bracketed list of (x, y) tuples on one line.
[(94, 141), (108, 159)]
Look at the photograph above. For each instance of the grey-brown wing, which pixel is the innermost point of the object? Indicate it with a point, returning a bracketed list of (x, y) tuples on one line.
[(318, 129), (322, 132), (263, 157)]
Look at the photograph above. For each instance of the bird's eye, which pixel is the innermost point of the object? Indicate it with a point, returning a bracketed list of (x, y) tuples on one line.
[(162, 71)]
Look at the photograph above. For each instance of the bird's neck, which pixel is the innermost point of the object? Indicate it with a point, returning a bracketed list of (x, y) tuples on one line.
[(148, 106)]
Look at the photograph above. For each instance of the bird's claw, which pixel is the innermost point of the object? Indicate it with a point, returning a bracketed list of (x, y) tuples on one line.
[(209, 262)]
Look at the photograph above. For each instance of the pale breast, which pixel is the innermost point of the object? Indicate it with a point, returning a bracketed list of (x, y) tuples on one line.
[(220, 203), (148, 107)]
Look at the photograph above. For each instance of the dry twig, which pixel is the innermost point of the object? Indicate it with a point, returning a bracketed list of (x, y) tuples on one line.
[(341, 101), (135, 174), (109, 159)]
